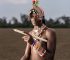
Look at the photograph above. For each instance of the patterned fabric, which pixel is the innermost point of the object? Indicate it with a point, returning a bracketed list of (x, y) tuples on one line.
[(37, 45)]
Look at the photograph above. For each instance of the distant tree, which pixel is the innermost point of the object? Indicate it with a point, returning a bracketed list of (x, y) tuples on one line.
[(0, 22), (3, 22), (15, 20), (67, 21), (24, 17), (25, 21), (60, 22), (50, 22), (57, 23), (64, 21)]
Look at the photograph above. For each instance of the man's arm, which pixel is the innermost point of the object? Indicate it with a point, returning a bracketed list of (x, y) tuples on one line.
[(51, 44), (27, 53)]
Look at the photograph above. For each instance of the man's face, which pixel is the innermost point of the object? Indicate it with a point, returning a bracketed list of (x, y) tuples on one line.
[(35, 20)]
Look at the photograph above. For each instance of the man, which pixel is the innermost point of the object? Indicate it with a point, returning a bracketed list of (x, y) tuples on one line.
[(38, 49)]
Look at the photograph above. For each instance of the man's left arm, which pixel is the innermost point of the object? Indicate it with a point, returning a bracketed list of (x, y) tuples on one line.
[(51, 44)]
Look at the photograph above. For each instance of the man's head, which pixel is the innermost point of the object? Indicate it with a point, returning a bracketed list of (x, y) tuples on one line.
[(33, 13), (36, 16)]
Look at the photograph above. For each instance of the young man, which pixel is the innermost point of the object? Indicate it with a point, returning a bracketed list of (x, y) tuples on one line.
[(37, 49)]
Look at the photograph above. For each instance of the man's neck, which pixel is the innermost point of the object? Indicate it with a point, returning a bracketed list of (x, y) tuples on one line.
[(37, 27)]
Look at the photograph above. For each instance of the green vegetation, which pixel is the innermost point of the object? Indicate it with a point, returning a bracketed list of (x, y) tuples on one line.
[(61, 22)]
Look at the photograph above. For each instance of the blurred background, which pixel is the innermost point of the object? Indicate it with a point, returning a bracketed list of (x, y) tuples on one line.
[(14, 14)]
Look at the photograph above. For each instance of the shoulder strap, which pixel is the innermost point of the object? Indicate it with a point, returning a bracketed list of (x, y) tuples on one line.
[(44, 29)]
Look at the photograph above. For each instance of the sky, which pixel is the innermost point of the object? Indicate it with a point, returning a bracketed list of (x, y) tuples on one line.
[(52, 8)]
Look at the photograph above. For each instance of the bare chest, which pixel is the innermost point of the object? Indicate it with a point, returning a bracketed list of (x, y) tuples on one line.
[(39, 47)]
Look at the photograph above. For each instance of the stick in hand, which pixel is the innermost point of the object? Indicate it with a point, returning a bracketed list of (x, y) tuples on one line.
[(22, 32)]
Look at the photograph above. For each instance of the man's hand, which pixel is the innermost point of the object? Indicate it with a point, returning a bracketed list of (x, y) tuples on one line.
[(28, 39)]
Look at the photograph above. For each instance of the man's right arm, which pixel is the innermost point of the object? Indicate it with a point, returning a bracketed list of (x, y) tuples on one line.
[(27, 53)]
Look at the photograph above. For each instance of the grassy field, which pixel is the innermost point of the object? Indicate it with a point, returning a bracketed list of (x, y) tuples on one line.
[(12, 46)]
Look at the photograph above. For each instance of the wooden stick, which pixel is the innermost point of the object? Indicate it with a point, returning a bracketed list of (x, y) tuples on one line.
[(22, 32), (18, 31)]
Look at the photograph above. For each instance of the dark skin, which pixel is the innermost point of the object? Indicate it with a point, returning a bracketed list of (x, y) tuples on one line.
[(50, 45)]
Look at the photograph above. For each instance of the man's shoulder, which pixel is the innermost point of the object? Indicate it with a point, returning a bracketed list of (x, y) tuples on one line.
[(50, 31)]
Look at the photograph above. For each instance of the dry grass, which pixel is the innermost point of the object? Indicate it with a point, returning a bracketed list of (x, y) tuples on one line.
[(12, 46)]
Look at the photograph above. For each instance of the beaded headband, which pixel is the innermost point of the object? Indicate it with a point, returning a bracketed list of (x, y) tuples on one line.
[(33, 11)]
